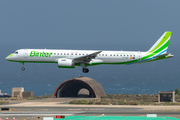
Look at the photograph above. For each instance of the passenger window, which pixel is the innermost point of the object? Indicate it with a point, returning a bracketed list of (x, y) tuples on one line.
[(110, 54), (67, 53), (114, 55), (64, 53), (54, 53)]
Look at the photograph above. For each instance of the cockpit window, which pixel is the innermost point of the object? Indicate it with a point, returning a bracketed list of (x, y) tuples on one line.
[(16, 52)]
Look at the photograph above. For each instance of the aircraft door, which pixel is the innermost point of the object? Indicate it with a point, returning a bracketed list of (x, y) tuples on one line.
[(72, 54), (25, 53), (139, 55)]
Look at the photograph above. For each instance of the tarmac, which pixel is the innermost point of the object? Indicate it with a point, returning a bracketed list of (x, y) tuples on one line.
[(37, 109)]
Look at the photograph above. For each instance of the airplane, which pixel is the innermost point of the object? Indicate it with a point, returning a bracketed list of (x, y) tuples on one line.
[(84, 58)]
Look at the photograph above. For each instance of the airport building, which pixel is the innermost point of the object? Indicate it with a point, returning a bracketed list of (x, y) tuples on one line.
[(19, 92), (27, 94), (166, 96), (79, 87)]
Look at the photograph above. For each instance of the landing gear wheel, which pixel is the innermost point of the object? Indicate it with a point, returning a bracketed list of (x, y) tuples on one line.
[(23, 69), (85, 70)]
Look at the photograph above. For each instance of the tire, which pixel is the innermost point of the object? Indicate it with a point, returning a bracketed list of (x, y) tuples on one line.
[(85, 70), (23, 69)]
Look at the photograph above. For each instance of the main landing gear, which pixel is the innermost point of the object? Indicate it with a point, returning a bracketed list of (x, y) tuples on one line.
[(84, 69), (23, 68)]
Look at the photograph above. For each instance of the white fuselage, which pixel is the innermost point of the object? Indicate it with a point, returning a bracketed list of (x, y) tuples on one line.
[(50, 55)]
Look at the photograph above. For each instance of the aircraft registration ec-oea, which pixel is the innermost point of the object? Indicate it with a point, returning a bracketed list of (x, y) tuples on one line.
[(84, 58)]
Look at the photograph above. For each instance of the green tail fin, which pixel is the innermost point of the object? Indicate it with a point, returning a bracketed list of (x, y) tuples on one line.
[(162, 42)]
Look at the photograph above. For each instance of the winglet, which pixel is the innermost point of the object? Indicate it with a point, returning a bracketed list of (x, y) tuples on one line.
[(161, 44)]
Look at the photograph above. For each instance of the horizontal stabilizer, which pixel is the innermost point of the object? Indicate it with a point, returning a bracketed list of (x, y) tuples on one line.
[(167, 55)]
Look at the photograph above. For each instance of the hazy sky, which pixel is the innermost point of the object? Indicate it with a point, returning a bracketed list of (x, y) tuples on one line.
[(88, 21)]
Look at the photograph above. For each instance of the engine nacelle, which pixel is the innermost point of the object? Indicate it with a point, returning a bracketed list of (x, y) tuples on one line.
[(65, 63)]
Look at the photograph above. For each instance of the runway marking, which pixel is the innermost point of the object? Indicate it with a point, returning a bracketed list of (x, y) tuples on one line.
[(87, 109), (74, 109), (96, 109), (32, 114)]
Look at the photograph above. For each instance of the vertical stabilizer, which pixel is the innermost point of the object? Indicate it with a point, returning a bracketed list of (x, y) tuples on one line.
[(162, 43)]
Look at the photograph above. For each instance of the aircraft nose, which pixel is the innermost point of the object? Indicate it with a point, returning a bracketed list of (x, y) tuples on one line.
[(9, 56)]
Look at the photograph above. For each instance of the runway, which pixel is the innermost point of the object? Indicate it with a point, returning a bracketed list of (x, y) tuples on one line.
[(53, 107), (110, 111)]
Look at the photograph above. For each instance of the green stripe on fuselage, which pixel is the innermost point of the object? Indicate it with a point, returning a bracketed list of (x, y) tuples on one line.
[(121, 63), (157, 51), (66, 67)]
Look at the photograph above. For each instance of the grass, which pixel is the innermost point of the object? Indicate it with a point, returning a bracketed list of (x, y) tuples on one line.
[(170, 103), (44, 96), (79, 102), (27, 98), (30, 98), (3, 102), (126, 99)]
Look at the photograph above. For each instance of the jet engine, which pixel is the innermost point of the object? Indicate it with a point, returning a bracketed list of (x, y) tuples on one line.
[(65, 63)]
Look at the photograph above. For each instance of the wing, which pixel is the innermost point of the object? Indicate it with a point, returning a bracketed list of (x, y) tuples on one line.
[(86, 58)]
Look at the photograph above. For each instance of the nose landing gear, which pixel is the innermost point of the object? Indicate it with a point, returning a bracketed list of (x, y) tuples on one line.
[(23, 68)]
